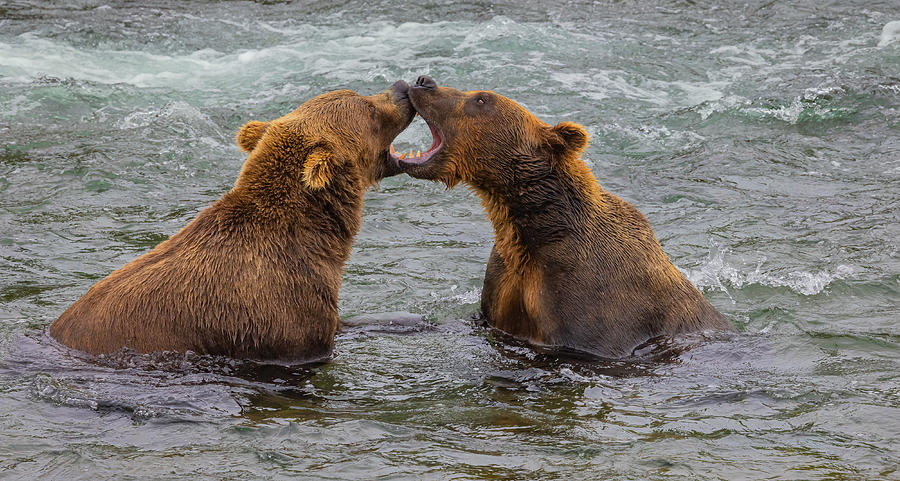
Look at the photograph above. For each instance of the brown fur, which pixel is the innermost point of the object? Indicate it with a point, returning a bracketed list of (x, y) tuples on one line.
[(572, 265), (257, 274)]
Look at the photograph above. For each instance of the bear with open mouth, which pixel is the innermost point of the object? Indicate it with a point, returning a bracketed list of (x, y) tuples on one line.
[(257, 274), (573, 266)]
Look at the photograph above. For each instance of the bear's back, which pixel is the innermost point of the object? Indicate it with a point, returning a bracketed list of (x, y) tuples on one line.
[(216, 287)]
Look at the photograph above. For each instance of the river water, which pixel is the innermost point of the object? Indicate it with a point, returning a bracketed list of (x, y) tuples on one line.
[(761, 139)]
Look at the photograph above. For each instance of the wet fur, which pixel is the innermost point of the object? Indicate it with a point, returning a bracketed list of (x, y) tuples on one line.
[(572, 264), (257, 274)]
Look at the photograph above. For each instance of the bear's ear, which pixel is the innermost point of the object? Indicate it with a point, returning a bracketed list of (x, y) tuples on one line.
[(319, 165), (569, 136), (250, 134)]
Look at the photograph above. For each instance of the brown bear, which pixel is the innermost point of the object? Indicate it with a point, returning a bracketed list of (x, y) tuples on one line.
[(573, 266), (256, 275)]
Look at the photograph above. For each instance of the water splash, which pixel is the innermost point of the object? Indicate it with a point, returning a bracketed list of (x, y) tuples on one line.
[(815, 104), (328, 52), (469, 297), (178, 117), (655, 137), (717, 274), (725, 104), (889, 34)]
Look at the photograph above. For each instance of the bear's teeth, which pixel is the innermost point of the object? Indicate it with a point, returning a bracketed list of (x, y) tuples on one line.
[(418, 153), (392, 148), (402, 156), (410, 153)]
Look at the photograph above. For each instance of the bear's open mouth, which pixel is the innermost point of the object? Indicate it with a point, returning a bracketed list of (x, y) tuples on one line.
[(421, 157)]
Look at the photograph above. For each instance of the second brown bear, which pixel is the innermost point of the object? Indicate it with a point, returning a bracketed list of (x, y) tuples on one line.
[(573, 265)]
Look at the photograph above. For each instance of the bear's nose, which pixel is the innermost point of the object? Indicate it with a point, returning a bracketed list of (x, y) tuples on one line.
[(400, 89), (426, 82)]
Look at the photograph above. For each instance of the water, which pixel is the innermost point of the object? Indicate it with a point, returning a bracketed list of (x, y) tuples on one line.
[(760, 138)]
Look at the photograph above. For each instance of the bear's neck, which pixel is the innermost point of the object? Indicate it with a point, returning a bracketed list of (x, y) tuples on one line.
[(272, 192), (539, 205)]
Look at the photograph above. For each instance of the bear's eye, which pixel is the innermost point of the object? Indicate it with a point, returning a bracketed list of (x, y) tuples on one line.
[(480, 100), (372, 109)]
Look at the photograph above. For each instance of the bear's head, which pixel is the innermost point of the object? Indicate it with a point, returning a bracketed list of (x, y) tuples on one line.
[(327, 133), (485, 139)]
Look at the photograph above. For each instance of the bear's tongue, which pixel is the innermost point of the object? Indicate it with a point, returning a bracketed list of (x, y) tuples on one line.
[(421, 157)]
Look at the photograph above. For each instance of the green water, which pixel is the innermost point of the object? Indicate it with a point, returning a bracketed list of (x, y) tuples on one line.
[(761, 139)]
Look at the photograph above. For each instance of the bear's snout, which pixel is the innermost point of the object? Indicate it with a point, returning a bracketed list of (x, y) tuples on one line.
[(426, 82), (400, 89)]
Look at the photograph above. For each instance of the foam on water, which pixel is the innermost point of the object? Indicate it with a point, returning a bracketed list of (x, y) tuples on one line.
[(718, 274), (745, 54), (469, 297), (31, 57), (330, 52), (651, 137), (813, 105), (601, 85), (178, 116), (890, 33), (721, 105)]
